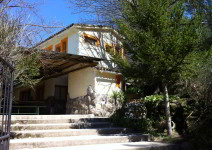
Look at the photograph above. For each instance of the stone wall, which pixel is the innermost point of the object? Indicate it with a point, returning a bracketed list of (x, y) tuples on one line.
[(97, 104)]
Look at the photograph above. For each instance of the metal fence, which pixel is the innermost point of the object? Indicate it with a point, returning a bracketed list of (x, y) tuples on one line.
[(6, 90)]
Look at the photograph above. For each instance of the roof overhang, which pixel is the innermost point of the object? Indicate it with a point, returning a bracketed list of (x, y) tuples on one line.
[(56, 64), (82, 26)]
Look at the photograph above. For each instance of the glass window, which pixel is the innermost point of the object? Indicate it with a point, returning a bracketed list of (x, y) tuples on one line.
[(90, 40)]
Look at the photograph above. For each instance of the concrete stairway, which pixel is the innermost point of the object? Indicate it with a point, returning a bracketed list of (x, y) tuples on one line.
[(68, 132)]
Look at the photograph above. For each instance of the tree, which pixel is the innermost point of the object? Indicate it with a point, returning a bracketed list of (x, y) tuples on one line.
[(100, 11), (105, 12), (159, 39), (18, 36)]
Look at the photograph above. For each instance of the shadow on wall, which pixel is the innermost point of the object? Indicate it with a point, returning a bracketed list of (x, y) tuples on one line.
[(92, 49)]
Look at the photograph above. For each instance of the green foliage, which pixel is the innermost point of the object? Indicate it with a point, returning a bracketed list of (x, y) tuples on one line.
[(201, 134), (133, 90), (168, 43), (118, 96), (158, 39), (180, 110), (160, 98), (142, 125), (152, 120), (28, 70), (154, 98), (197, 87)]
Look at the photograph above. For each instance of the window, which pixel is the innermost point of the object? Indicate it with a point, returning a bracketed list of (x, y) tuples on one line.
[(114, 49), (64, 44), (25, 95), (58, 48), (64, 47), (49, 48), (108, 48), (92, 40), (61, 92), (119, 50)]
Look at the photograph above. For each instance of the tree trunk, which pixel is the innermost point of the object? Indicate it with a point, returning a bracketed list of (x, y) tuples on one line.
[(167, 111)]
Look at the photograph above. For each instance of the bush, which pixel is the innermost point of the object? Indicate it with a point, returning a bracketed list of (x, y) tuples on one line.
[(200, 125), (201, 134), (118, 97), (147, 115), (140, 125), (132, 115)]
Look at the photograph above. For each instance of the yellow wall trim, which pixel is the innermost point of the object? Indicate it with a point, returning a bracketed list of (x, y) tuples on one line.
[(92, 37)]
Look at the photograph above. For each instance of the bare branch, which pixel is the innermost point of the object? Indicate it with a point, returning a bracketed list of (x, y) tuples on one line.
[(19, 33), (17, 6), (103, 12), (42, 26)]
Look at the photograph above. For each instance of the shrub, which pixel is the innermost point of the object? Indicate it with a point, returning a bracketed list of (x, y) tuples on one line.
[(118, 96), (147, 115)]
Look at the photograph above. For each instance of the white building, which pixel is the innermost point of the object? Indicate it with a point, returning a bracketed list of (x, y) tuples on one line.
[(86, 65)]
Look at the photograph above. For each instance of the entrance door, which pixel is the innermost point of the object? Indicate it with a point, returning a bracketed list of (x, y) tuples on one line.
[(60, 99), (61, 92)]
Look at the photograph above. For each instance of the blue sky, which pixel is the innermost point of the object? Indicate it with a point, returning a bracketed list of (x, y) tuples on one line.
[(58, 10)]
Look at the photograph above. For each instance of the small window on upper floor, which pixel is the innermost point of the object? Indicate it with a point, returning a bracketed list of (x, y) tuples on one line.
[(109, 48), (119, 50), (92, 40), (114, 49), (58, 48), (50, 48), (64, 45)]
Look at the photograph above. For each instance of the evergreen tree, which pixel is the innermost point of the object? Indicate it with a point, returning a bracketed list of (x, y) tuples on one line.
[(159, 39)]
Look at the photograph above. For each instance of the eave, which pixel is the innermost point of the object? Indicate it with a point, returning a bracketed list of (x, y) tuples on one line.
[(58, 64)]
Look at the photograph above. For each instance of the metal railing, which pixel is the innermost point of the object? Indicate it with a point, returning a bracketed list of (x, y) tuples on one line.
[(6, 88), (34, 111)]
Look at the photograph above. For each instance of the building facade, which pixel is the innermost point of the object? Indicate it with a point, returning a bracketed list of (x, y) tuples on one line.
[(87, 89)]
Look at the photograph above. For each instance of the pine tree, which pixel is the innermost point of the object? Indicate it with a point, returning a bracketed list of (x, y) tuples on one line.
[(158, 38)]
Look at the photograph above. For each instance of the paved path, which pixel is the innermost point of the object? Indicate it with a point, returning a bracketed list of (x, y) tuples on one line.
[(117, 146)]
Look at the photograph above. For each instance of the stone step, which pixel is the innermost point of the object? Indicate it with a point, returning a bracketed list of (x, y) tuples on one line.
[(118, 146), (68, 132), (22, 127), (29, 143), (50, 121), (31, 117)]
